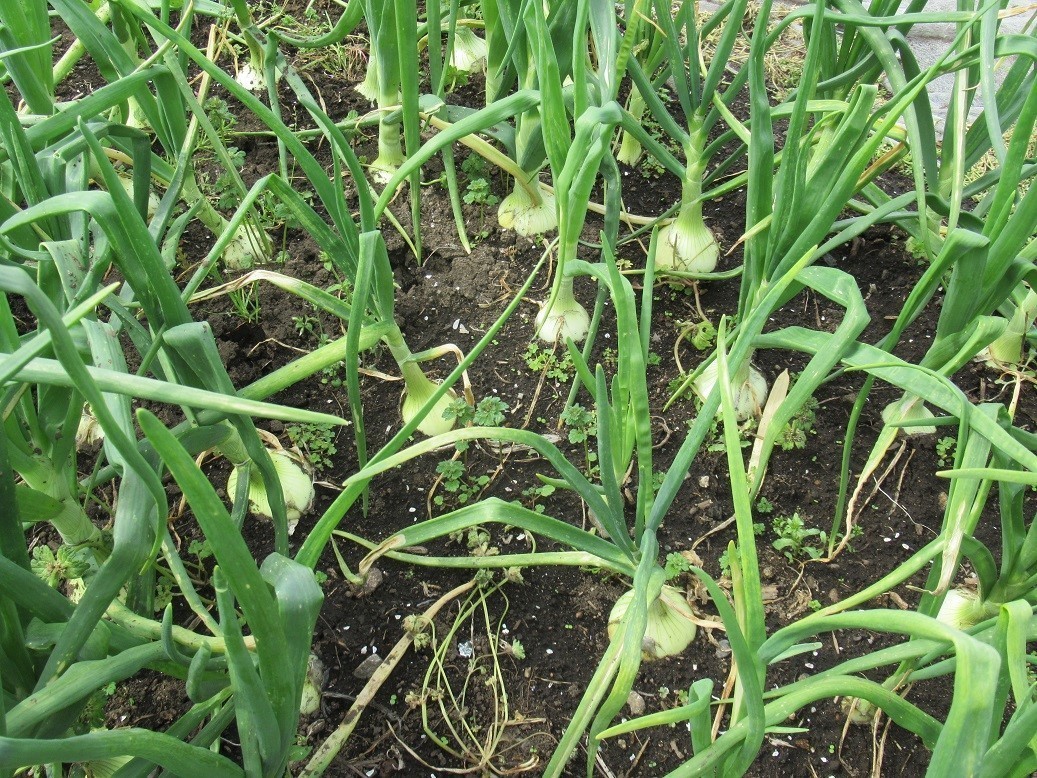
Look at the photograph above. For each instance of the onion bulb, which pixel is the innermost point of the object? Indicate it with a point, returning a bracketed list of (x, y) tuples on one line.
[(419, 389), (89, 431), (312, 685), (564, 318), (1008, 348), (909, 408), (686, 244), (245, 249), (962, 609), (749, 394), (671, 623), (469, 51), (521, 212), (296, 485), (251, 78)]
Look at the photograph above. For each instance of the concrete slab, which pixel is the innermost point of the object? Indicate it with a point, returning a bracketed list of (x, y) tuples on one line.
[(931, 40)]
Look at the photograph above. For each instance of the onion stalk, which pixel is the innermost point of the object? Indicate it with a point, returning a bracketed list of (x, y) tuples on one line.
[(909, 408), (686, 244), (1008, 348), (382, 84), (71, 521), (249, 245), (368, 88), (390, 149), (630, 147)]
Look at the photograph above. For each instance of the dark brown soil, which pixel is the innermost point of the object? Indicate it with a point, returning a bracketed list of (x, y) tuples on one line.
[(559, 615)]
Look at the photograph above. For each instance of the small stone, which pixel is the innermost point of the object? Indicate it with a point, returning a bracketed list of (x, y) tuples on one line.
[(366, 668), (636, 703), (704, 482)]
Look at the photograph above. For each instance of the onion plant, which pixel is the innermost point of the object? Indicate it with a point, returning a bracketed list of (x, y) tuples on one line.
[(984, 257), (381, 85), (791, 213), (687, 243), (253, 75), (989, 252), (654, 621), (991, 648), (513, 57), (67, 219), (164, 112), (574, 159), (59, 239), (358, 251)]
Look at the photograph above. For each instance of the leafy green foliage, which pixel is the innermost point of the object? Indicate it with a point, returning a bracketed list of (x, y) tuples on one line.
[(794, 434), (945, 448), (580, 423), (540, 359), (675, 565), (56, 568), (490, 411), (796, 540), (536, 494), (223, 188), (316, 441), (455, 480), (704, 335)]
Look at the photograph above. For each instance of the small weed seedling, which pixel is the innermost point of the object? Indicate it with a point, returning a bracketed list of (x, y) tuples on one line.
[(56, 568), (477, 540), (796, 540), (542, 360), (580, 423), (675, 565), (703, 334), (316, 441), (457, 482), (223, 189), (715, 437), (488, 412), (478, 191), (245, 302), (536, 494), (334, 375), (222, 118), (794, 436), (306, 324), (945, 448)]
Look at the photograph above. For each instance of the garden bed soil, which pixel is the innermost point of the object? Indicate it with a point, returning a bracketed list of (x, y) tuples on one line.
[(559, 615)]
